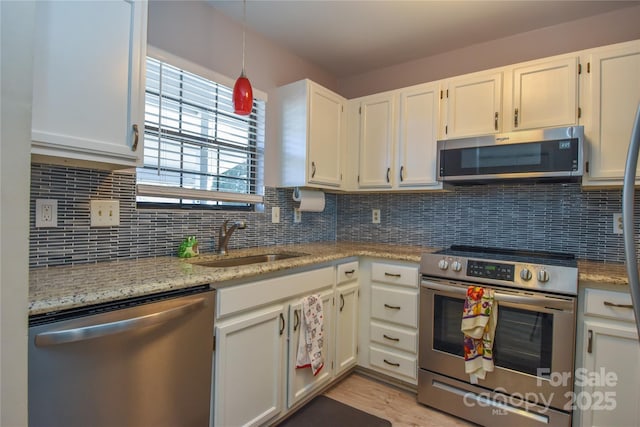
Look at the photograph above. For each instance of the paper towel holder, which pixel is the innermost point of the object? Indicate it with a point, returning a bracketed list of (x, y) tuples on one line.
[(310, 200)]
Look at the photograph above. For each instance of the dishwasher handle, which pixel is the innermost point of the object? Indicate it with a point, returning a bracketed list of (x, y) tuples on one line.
[(83, 333)]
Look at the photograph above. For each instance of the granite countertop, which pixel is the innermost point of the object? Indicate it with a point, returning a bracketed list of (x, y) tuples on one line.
[(602, 273), (66, 287)]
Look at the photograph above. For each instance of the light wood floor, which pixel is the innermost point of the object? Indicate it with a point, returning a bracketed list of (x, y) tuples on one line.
[(391, 403)]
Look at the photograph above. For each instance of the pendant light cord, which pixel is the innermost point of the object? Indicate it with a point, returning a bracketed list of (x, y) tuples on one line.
[(244, 25)]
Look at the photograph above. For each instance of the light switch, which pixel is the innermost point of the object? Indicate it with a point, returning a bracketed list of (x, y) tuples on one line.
[(105, 213)]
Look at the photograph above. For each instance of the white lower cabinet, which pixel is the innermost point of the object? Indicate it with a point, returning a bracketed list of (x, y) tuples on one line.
[(302, 382), (257, 333), (389, 291), (347, 303), (607, 385), (249, 362)]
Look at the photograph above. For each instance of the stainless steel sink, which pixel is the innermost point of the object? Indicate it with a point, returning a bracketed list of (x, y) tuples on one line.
[(247, 260)]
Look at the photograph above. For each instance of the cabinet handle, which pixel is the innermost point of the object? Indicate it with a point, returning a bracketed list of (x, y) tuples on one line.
[(350, 272), (495, 121), (391, 363), (281, 323), (390, 338), (392, 274), (341, 302), (313, 169), (388, 172), (392, 307), (590, 341), (515, 119), (296, 320), (613, 304), (401, 173), (136, 136)]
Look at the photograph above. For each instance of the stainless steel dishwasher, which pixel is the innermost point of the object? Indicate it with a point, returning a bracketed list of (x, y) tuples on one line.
[(140, 362)]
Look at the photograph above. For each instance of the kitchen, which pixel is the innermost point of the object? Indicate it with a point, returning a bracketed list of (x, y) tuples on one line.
[(571, 218)]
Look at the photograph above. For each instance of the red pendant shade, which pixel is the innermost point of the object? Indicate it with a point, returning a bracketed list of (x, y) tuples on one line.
[(242, 96)]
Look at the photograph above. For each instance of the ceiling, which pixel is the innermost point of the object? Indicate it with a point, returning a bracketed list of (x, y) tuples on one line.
[(349, 37)]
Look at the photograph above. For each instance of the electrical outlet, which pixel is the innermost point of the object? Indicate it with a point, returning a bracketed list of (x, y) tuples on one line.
[(375, 216), (105, 213), (46, 213), (617, 223), (275, 214), (297, 215)]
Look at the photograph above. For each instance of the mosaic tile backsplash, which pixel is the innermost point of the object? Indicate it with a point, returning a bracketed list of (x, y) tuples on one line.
[(145, 232), (552, 217), (547, 217)]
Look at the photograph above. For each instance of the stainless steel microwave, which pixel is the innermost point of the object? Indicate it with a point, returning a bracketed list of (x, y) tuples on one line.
[(554, 154)]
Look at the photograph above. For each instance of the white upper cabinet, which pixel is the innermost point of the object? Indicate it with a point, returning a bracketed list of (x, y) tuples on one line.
[(88, 87), (418, 134), (474, 105), (326, 112), (611, 88), (396, 136), (545, 93), (313, 131), (377, 134)]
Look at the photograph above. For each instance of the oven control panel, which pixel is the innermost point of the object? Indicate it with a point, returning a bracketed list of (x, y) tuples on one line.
[(490, 270)]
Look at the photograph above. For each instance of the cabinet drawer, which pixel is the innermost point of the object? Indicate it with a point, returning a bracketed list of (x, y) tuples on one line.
[(347, 272), (392, 362), (395, 305), (395, 274), (615, 305), (394, 337)]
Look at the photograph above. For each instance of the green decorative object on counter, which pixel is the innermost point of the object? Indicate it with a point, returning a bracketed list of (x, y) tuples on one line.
[(188, 248)]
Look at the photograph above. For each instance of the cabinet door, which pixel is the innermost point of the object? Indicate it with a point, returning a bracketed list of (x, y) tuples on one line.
[(249, 368), (346, 326), (326, 125), (614, 95), (613, 350), (418, 136), (474, 105), (545, 94), (376, 141), (301, 381), (88, 80)]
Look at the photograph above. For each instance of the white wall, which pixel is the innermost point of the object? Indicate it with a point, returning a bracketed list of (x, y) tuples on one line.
[(15, 143), (197, 32), (608, 28)]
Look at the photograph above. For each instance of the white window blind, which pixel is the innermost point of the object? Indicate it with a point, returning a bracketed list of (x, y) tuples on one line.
[(197, 151)]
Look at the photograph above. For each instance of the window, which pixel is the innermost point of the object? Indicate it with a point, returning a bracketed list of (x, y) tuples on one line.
[(197, 152)]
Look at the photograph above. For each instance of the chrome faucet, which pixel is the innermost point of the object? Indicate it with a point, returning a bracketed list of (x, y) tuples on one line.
[(225, 234)]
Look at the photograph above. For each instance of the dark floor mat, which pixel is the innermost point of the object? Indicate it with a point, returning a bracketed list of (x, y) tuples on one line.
[(325, 412)]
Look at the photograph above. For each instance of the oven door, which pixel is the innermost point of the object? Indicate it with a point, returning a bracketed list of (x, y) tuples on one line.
[(534, 340)]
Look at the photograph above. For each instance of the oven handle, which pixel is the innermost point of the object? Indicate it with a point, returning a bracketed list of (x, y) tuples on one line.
[(544, 302)]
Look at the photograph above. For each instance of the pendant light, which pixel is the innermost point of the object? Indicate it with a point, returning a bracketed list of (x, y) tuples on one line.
[(242, 92)]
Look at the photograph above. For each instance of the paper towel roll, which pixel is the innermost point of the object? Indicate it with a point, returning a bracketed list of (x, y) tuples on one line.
[(310, 200)]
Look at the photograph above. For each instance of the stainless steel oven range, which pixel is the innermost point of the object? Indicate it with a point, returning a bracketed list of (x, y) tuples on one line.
[(533, 349)]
